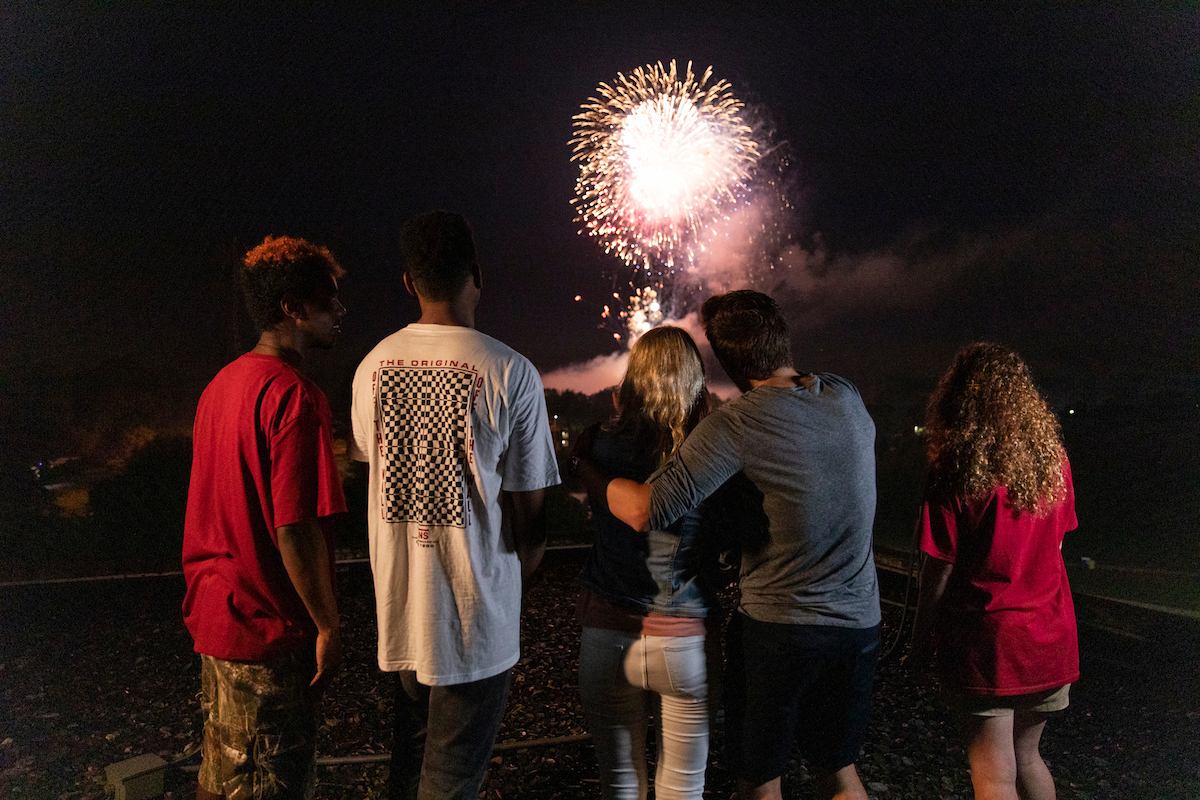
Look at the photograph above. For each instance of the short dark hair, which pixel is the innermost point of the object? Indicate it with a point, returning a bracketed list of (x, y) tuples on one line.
[(439, 253), (748, 335), (281, 266)]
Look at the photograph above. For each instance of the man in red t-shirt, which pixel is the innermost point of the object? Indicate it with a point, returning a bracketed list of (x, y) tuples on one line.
[(258, 539)]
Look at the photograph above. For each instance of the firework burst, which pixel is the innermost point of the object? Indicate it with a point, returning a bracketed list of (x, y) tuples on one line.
[(660, 157)]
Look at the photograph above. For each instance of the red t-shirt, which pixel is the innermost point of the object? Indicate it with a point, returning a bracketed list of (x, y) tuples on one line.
[(1006, 624), (262, 458)]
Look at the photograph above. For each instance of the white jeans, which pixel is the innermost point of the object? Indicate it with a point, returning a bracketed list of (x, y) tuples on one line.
[(623, 678)]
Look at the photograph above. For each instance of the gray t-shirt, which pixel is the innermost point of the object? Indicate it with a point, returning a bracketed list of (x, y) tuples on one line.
[(810, 451)]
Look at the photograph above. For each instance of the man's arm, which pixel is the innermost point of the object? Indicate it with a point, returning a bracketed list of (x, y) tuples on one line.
[(529, 529), (628, 501), (306, 560)]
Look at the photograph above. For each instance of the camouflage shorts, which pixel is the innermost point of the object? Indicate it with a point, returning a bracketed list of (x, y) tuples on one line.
[(260, 728)]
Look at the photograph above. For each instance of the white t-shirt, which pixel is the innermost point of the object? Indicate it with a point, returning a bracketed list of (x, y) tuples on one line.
[(447, 417)]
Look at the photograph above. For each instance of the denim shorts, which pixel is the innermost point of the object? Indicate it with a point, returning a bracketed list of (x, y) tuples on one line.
[(805, 683), (260, 728)]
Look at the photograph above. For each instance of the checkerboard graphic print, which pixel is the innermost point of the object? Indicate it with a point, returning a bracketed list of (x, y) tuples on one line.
[(423, 421)]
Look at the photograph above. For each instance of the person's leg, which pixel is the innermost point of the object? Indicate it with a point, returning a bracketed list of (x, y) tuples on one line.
[(410, 716), (285, 733), (616, 713), (763, 680), (260, 731), (463, 721), (837, 705), (991, 756), (771, 790), (714, 664), (842, 784), (210, 747), (1033, 778), (675, 669), (733, 694)]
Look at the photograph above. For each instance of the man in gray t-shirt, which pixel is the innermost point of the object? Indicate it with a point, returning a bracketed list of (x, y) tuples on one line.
[(806, 640)]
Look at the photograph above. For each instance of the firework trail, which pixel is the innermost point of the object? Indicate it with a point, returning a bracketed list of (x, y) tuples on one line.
[(661, 157)]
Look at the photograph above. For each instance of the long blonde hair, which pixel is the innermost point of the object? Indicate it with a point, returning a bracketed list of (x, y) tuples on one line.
[(662, 396), (987, 426)]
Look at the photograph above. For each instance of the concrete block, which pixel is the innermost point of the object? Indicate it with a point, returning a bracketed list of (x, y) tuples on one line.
[(138, 778)]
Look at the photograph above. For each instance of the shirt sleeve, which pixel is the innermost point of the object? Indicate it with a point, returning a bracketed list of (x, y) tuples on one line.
[(709, 457), (362, 417), (529, 461), (939, 530), (1069, 520), (296, 459)]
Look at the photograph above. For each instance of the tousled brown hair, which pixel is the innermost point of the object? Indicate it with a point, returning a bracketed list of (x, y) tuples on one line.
[(748, 334)]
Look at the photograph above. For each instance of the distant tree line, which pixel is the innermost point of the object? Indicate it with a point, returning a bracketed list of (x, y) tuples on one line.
[(1135, 470)]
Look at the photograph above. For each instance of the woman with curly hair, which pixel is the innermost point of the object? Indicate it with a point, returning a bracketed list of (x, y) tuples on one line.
[(644, 597), (994, 600)]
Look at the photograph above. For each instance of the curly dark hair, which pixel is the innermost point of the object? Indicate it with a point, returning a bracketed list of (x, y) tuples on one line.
[(281, 266), (748, 334), (439, 253), (987, 425)]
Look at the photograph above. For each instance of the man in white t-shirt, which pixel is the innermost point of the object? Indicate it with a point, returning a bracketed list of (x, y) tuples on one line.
[(453, 425)]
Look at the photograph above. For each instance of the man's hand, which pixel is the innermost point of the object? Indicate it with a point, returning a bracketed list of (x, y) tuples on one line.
[(528, 525), (306, 559), (329, 659), (628, 501)]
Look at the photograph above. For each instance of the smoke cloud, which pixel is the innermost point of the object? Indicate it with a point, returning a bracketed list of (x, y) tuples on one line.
[(750, 248), (605, 372)]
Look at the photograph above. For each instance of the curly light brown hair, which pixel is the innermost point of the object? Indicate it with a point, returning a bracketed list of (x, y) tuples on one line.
[(662, 396), (987, 426)]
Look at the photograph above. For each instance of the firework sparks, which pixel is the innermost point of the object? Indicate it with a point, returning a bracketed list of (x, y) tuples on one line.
[(644, 311), (660, 158)]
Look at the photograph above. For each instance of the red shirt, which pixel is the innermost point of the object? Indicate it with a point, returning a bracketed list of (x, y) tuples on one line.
[(1006, 624), (262, 458)]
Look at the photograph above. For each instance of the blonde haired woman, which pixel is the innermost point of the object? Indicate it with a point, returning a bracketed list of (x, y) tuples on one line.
[(994, 595), (643, 600)]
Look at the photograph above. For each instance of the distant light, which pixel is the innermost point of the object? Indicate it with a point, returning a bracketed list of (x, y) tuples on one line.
[(617, 336), (578, 298), (1071, 411)]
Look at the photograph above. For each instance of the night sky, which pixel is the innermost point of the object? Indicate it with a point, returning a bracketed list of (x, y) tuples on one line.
[(1025, 174)]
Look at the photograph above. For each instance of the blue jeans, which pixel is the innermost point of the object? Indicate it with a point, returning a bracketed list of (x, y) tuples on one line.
[(622, 677), (442, 736)]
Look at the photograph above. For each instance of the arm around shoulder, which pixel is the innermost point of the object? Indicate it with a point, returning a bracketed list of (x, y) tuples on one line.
[(627, 500)]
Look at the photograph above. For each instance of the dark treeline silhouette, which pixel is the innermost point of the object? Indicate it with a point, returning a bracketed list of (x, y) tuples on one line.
[(1135, 480)]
